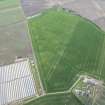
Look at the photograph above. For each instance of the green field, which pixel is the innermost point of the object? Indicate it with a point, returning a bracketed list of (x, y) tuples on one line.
[(57, 99), (66, 45)]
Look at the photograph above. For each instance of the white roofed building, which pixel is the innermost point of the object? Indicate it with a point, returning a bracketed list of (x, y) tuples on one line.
[(90, 81), (16, 82)]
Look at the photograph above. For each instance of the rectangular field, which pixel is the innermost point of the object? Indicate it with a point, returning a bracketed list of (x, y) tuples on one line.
[(32, 7), (14, 42), (14, 39), (6, 4), (11, 16)]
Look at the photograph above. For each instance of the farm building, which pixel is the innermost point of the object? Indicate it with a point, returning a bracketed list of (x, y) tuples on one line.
[(90, 81), (16, 82)]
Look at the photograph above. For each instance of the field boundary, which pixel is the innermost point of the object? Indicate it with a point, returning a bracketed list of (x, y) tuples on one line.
[(54, 93), (35, 61)]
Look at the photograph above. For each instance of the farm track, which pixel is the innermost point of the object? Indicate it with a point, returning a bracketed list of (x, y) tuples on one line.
[(54, 93)]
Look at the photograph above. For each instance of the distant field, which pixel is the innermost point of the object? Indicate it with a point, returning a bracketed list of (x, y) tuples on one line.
[(6, 4), (10, 12), (14, 41), (58, 99), (35, 7), (66, 45), (11, 16)]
